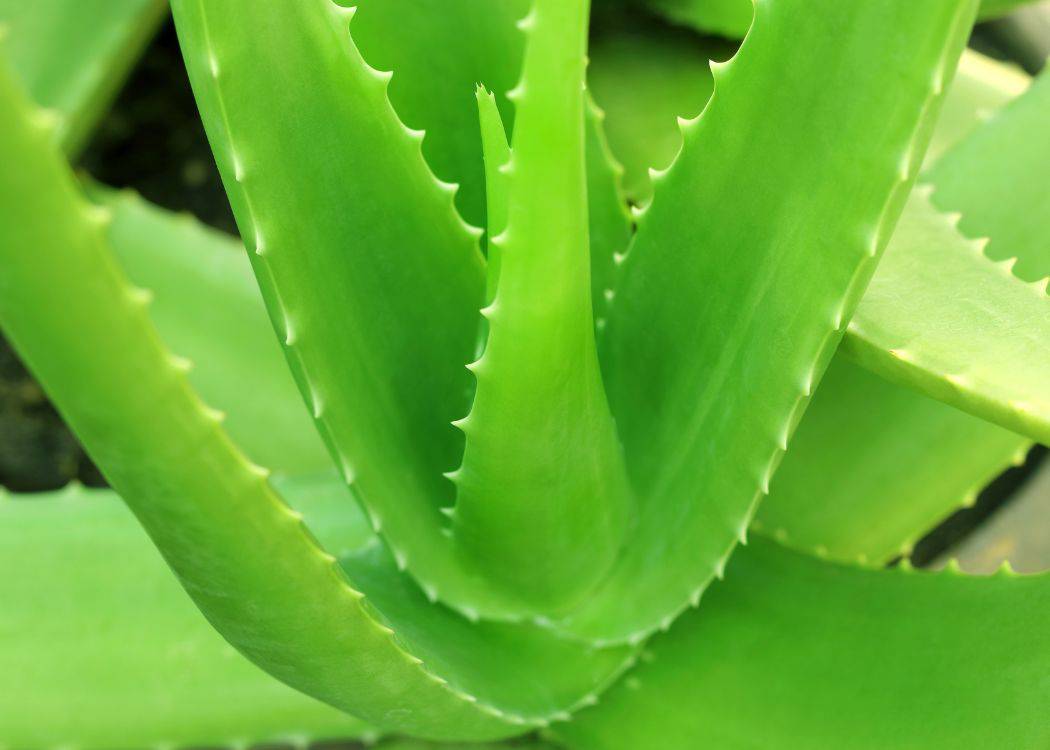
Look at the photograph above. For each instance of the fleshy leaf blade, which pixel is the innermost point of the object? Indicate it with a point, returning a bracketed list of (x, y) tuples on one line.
[(791, 652), (943, 318), (542, 498), (73, 55), (722, 324)]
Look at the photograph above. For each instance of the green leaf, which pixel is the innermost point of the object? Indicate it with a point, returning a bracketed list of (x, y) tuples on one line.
[(376, 297), (101, 648), (207, 308), (496, 149), (544, 517), (874, 465), (440, 51), (997, 180), (241, 553), (981, 86), (791, 652), (73, 55), (942, 318), (723, 320)]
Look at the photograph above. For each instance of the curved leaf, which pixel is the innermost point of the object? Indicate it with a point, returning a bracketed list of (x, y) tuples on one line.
[(101, 648), (942, 318), (874, 465), (996, 179), (73, 55), (727, 312), (207, 307), (542, 498), (240, 552), (376, 297), (791, 652)]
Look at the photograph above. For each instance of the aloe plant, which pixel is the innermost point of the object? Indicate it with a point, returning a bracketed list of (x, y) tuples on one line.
[(526, 407)]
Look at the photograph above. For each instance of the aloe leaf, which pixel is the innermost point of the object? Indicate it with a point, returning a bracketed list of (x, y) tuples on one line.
[(274, 593), (981, 86), (73, 55), (996, 179), (432, 89), (207, 307), (874, 465), (496, 150), (708, 284), (792, 652), (384, 249), (105, 650), (942, 318), (544, 517)]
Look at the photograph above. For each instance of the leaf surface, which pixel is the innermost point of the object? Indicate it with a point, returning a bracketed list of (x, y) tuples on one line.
[(207, 308), (792, 652), (376, 297), (72, 55), (874, 465), (942, 318), (723, 319), (242, 554), (101, 648), (997, 180), (542, 499), (440, 51)]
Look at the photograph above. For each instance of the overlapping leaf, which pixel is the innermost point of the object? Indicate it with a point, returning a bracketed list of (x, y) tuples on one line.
[(723, 319), (792, 652), (72, 55)]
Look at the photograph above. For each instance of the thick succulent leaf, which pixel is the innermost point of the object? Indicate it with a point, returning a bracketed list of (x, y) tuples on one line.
[(610, 225), (727, 312), (792, 652), (981, 86), (496, 150), (997, 180), (101, 648), (207, 308), (542, 499), (376, 297), (942, 318), (72, 55), (875, 465), (440, 51), (241, 553)]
